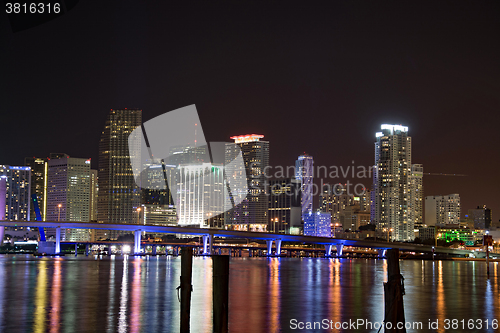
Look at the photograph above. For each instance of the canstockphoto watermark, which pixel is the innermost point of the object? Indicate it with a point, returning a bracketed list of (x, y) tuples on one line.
[(355, 325)]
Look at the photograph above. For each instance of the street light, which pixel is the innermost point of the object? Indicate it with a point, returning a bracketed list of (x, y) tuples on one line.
[(138, 215), (59, 213)]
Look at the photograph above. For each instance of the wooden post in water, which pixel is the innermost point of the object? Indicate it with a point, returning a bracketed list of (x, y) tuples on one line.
[(220, 293), (394, 291), (186, 288)]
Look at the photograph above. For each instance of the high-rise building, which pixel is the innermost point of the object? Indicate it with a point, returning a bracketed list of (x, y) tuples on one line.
[(18, 190), (68, 195), (417, 195), (200, 194), (334, 199), (392, 182), (304, 172), (251, 213), (317, 224), (285, 209), (354, 217), (442, 209), (481, 217), (119, 196), (94, 194), (39, 171)]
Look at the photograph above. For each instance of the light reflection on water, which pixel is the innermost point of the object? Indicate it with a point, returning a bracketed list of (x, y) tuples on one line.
[(138, 294)]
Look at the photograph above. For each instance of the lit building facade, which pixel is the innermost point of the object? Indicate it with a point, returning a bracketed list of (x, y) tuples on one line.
[(284, 210), (119, 196), (18, 190), (417, 195), (39, 169), (317, 224), (334, 199), (354, 217), (252, 213), (304, 172), (68, 195), (392, 182), (442, 209), (200, 194)]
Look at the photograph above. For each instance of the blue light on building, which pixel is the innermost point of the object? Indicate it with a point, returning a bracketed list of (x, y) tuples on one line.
[(317, 224)]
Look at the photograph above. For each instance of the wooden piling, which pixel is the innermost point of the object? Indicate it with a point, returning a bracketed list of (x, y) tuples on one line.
[(220, 293), (394, 291), (186, 288)]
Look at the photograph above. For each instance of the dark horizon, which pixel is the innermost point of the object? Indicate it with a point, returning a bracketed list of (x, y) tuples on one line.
[(316, 79)]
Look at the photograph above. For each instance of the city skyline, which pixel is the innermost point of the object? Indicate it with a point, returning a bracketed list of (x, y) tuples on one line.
[(345, 73)]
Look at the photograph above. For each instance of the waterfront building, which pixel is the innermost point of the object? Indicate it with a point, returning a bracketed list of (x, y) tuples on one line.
[(119, 196), (442, 209), (317, 224), (285, 209), (354, 217), (252, 213), (18, 190), (39, 169), (392, 182), (481, 217), (68, 195), (416, 195)]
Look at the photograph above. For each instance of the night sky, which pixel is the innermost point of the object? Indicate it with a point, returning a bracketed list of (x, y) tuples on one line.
[(317, 79)]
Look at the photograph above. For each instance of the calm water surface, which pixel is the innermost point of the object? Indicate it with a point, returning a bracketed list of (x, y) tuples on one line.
[(138, 294)]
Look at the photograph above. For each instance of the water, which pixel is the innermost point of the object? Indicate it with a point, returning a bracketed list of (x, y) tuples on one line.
[(138, 294)]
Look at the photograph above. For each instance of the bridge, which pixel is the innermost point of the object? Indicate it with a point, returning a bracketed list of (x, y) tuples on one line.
[(209, 233)]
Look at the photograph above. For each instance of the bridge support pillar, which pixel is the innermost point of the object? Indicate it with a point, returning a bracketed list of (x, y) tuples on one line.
[(250, 253), (137, 242), (278, 247), (58, 240), (87, 250), (381, 253), (340, 248), (269, 247), (76, 249), (207, 244), (240, 254), (328, 250), (154, 250)]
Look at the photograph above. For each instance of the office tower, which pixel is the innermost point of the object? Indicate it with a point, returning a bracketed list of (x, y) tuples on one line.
[(285, 211), (416, 195), (334, 199), (304, 173), (251, 213), (68, 195), (317, 224), (18, 190), (481, 217), (38, 184), (442, 209), (392, 182), (94, 193), (200, 194), (119, 196)]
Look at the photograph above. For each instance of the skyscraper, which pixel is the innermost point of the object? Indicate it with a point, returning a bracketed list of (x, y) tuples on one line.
[(417, 195), (481, 217), (442, 209), (94, 193), (39, 168), (119, 196), (304, 173), (68, 194), (251, 213), (18, 190), (285, 209), (392, 182)]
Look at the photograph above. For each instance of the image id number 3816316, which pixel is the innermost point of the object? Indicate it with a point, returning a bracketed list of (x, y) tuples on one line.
[(32, 8)]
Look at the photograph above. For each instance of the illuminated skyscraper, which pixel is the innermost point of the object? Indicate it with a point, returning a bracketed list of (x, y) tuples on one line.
[(284, 206), (68, 195), (18, 190), (417, 195), (119, 196), (304, 173), (392, 182), (94, 193), (39, 169), (251, 213)]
